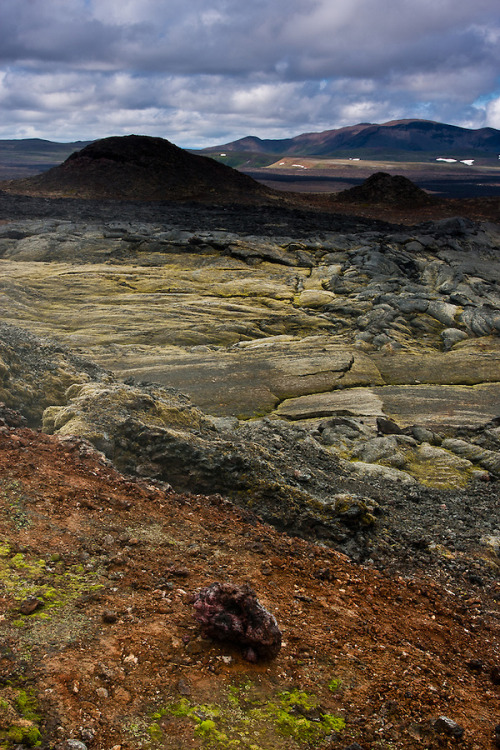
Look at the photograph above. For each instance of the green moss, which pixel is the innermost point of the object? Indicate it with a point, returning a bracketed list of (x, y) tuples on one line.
[(26, 704), (248, 718), (155, 732), (22, 576), (439, 476), (207, 730), (333, 723), (334, 685), (30, 736), (298, 699), (298, 716), (20, 719), (41, 616)]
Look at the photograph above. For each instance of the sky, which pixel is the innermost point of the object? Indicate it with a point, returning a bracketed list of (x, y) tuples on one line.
[(206, 72)]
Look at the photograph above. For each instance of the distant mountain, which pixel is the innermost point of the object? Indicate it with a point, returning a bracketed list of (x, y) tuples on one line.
[(137, 167), (408, 137), (29, 156)]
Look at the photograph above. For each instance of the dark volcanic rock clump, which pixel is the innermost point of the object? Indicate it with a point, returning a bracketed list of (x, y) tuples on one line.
[(136, 167), (386, 189), (232, 613)]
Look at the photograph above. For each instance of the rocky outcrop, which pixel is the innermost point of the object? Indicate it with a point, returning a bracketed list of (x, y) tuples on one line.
[(320, 369), (156, 432), (233, 614), (334, 479), (243, 322), (35, 373)]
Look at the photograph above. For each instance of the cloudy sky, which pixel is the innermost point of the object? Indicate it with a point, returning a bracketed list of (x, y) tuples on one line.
[(205, 72)]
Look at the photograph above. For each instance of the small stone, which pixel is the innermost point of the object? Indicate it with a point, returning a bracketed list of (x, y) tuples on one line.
[(109, 616), (87, 734), (30, 605), (388, 427), (102, 692), (302, 476), (178, 572), (121, 695), (452, 336), (423, 435), (194, 647), (183, 687), (74, 745), (444, 725), (497, 735), (495, 674), (475, 665)]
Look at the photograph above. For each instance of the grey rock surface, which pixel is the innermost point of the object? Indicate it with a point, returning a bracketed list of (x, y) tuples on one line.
[(291, 336)]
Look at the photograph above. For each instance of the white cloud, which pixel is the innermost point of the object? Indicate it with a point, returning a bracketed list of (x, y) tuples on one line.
[(220, 69), (492, 118)]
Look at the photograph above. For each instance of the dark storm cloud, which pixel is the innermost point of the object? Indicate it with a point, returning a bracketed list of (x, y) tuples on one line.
[(266, 67), (297, 38)]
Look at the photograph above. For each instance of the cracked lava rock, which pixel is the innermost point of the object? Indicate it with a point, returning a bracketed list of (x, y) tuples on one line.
[(232, 613)]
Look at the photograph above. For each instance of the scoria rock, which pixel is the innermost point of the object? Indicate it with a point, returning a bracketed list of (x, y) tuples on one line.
[(228, 612)]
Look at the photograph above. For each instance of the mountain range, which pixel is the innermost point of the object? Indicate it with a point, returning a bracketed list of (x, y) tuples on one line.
[(410, 139), (398, 140)]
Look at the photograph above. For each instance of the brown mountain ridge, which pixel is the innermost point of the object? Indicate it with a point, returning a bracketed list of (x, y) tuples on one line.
[(404, 136)]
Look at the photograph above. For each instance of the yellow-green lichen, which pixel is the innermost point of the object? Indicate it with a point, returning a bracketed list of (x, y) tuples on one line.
[(335, 685), (27, 705), (14, 500), (29, 736), (19, 719), (23, 576), (249, 719)]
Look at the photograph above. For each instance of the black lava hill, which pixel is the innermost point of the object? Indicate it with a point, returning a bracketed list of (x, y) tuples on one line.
[(137, 167)]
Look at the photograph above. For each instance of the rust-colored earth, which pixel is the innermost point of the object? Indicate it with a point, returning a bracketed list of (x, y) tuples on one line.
[(112, 645)]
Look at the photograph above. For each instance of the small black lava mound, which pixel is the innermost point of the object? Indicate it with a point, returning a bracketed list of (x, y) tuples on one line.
[(141, 168), (384, 188), (232, 613)]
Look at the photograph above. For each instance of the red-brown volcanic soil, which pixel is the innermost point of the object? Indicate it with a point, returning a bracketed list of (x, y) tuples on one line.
[(113, 563)]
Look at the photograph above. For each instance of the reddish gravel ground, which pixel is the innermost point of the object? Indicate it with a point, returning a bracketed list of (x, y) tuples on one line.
[(110, 565)]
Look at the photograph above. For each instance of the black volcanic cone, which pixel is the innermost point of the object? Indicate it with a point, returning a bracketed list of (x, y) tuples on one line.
[(394, 190), (138, 167)]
